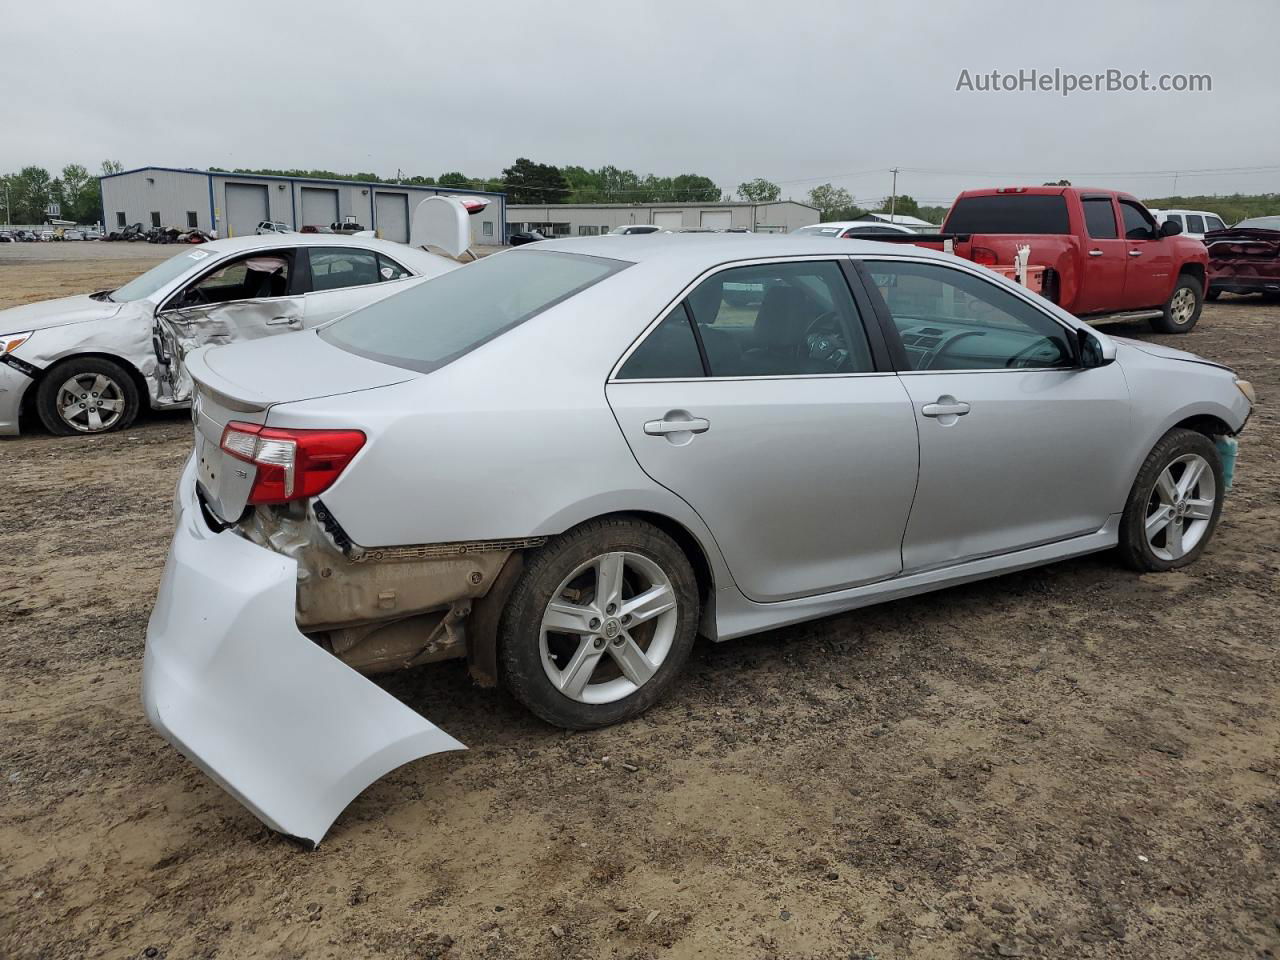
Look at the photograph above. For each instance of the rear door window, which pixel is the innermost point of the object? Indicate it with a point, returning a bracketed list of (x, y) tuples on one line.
[(1010, 213), (333, 268), (1195, 224), (669, 352), (1100, 218), (1213, 223)]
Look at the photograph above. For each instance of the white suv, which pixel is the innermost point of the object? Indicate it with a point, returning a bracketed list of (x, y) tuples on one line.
[(1194, 223), (273, 226)]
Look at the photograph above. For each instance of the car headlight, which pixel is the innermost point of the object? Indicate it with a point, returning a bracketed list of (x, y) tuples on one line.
[(10, 342), (1245, 387)]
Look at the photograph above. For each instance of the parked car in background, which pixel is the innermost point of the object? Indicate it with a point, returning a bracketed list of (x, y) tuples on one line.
[(851, 228), (880, 424), (48, 236), (6, 237), (1194, 223), (521, 237), (635, 229), (314, 228), (347, 228), (72, 234), (1102, 251), (92, 233), (1245, 258), (272, 226), (89, 363)]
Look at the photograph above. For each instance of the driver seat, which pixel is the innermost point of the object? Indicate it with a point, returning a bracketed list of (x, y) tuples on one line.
[(778, 332)]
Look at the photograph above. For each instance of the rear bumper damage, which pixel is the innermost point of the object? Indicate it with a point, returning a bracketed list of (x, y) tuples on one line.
[(282, 725)]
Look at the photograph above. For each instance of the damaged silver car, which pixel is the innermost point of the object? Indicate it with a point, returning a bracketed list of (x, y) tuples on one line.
[(90, 363), (565, 461)]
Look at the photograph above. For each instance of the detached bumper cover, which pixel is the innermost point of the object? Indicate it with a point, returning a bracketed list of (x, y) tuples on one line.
[(281, 725)]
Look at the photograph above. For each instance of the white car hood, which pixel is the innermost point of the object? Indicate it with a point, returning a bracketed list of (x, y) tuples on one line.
[(1165, 353), (56, 313)]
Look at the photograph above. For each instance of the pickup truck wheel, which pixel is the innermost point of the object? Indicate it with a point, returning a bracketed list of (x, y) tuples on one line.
[(1183, 309), (599, 624), (86, 395), (1175, 503)]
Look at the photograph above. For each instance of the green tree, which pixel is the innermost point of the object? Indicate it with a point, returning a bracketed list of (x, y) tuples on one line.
[(30, 191), (759, 191), (112, 166), (905, 205), (834, 203), (453, 178), (694, 188), (529, 182), (81, 194), (1057, 183)]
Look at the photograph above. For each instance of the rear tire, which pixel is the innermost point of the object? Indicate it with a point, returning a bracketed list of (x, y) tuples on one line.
[(1183, 309), (620, 649), (1175, 503), (86, 395)]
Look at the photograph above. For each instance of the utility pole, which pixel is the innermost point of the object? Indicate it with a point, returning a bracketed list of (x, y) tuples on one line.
[(893, 199)]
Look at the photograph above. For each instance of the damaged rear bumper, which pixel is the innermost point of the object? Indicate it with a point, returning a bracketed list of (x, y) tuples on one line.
[(283, 726)]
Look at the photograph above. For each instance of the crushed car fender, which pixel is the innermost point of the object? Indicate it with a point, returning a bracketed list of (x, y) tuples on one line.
[(287, 729)]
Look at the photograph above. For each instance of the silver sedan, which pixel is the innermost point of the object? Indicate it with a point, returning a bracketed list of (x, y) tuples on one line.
[(565, 461)]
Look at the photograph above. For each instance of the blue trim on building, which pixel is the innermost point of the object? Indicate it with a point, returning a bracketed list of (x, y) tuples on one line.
[(213, 220), (272, 176)]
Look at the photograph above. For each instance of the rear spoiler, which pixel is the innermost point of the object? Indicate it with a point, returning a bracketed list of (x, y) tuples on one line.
[(441, 222)]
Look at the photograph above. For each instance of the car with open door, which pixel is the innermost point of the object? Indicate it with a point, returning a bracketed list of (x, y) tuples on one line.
[(564, 461), (89, 363)]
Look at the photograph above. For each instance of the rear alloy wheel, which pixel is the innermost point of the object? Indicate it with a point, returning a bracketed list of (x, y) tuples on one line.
[(599, 624), (1175, 503), (1183, 309), (86, 395)]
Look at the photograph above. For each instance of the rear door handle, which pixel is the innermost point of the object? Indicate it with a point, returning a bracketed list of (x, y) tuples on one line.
[(949, 408), (1095, 253), (658, 428)]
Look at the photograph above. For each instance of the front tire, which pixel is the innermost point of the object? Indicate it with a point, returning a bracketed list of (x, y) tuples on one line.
[(599, 624), (1174, 505), (1184, 306), (88, 395)]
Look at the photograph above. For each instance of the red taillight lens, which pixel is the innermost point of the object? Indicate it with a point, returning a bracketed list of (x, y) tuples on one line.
[(984, 256), (292, 464)]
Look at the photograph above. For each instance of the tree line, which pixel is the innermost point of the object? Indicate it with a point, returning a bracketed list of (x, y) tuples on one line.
[(27, 194)]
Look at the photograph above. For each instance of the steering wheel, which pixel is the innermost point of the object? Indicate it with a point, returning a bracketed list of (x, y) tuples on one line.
[(1025, 356), (945, 348), (826, 318)]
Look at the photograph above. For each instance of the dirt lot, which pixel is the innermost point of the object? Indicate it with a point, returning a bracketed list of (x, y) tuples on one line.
[(1070, 762)]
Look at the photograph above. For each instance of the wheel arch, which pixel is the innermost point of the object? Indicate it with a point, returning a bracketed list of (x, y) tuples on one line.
[(486, 612), (136, 375), (1196, 271)]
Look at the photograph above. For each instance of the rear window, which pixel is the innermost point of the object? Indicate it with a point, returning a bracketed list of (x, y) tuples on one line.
[(1009, 213), (433, 323)]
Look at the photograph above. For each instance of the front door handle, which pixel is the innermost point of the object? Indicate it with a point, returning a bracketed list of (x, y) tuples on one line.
[(1135, 253), (1095, 253), (284, 321), (659, 428), (945, 407)]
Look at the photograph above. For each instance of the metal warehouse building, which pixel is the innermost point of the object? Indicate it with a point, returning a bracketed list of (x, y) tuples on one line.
[(232, 204), (590, 219)]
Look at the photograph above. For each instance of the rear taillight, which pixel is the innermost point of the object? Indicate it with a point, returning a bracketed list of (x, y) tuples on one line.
[(984, 256), (292, 464)]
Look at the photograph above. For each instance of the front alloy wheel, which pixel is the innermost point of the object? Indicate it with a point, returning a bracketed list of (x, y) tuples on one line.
[(87, 395), (599, 624)]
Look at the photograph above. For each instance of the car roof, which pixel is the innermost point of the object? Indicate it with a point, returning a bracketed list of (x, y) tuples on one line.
[(255, 242), (700, 251)]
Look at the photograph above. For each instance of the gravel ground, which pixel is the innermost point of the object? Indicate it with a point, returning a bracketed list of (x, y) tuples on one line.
[(1074, 761)]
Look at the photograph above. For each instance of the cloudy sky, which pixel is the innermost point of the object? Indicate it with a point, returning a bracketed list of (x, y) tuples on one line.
[(799, 93)]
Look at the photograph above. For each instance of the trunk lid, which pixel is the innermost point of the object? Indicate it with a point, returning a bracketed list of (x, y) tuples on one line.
[(242, 381)]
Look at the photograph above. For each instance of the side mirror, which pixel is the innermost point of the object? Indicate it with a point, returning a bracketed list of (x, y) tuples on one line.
[(1170, 228), (1094, 352)]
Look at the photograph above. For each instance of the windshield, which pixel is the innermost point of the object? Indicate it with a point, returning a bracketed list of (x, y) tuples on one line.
[(436, 322), (1260, 223), (821, 230), (158, 276)]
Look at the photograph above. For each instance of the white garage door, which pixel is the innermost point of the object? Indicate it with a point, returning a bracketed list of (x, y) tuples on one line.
[(393, 216), (319, 207), (717, 219), (668, 219), (246, 208)]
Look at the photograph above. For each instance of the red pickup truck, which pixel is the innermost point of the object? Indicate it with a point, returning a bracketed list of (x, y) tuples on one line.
[(1103, 252)]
